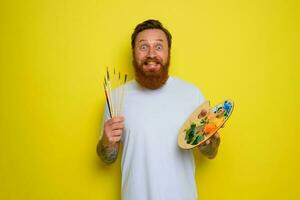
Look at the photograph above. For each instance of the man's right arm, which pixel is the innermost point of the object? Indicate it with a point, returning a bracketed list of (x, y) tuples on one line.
[(108, 145), (108, 153)]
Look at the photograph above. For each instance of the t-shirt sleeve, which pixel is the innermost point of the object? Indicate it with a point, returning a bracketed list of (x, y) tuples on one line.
[(199, 97)]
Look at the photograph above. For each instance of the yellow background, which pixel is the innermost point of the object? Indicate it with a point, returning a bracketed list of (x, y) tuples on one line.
[(53, 56)]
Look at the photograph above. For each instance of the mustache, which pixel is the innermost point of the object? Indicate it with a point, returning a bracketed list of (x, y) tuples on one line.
[(157, 60)]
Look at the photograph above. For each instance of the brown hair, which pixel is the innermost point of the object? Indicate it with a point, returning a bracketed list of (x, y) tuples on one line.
[(150, 24)]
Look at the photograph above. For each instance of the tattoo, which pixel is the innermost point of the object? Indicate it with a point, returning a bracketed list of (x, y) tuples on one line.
[(210, 150), (108, 154)]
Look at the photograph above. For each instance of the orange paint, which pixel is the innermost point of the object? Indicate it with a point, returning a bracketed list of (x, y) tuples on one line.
[(210, 127)]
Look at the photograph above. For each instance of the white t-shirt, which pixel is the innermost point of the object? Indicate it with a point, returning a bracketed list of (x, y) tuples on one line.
[(153, 166)]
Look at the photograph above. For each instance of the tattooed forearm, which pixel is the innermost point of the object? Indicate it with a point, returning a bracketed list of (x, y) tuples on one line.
[(108, 154), (210, 150)]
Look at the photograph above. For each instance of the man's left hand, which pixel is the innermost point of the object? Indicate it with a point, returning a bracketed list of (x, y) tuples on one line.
[(210, 147)]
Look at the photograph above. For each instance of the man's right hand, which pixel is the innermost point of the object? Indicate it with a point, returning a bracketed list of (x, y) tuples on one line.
[(107, 147), (113, 130)]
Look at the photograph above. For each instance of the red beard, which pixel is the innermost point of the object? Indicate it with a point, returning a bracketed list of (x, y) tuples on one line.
[(151, 79)]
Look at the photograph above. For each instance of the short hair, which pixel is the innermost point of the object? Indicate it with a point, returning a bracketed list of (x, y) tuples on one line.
[(150, 24)]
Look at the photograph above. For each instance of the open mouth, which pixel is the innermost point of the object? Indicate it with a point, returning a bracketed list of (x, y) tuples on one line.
[(152, 65)]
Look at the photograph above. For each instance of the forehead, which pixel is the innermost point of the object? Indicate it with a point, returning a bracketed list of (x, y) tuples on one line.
[(151, 35)]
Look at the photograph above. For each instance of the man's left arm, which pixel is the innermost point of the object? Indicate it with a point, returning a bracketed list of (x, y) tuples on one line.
[(210, 147)]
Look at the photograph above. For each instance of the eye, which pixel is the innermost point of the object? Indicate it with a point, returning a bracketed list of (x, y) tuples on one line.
[(159, 47), (143, 47)]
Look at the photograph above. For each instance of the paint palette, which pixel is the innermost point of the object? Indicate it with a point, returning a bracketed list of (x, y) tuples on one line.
[(203, 123)]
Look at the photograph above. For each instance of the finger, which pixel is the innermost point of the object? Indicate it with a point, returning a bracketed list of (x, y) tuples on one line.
[(216, 135), (114, 140), (117, 139), (115, 120), (207, 141), (116, 133), (116, 126)]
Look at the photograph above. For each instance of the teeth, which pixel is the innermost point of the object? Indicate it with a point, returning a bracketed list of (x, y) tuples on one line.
[(151, 63)]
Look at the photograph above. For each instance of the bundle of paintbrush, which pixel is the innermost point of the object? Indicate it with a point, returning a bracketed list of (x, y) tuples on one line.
[(114, 89)]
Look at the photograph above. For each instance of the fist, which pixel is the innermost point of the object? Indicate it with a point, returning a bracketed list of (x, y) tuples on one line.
[(214, 140), (113, 129), (210, 147)]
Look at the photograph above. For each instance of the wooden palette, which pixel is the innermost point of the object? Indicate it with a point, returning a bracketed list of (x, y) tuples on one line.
[(203, 123)]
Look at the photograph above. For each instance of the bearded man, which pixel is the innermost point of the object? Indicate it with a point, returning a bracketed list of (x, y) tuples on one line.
[(155, 107)]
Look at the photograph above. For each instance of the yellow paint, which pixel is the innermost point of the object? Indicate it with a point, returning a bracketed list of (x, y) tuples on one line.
[(53, 56)]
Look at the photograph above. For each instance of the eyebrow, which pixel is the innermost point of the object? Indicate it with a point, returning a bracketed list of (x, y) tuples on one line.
[(160, 40)]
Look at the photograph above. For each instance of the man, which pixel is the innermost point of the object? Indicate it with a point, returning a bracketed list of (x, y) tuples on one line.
[(155, 107)]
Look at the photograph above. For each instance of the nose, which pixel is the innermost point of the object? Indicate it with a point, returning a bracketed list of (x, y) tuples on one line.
[(151, 52)]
